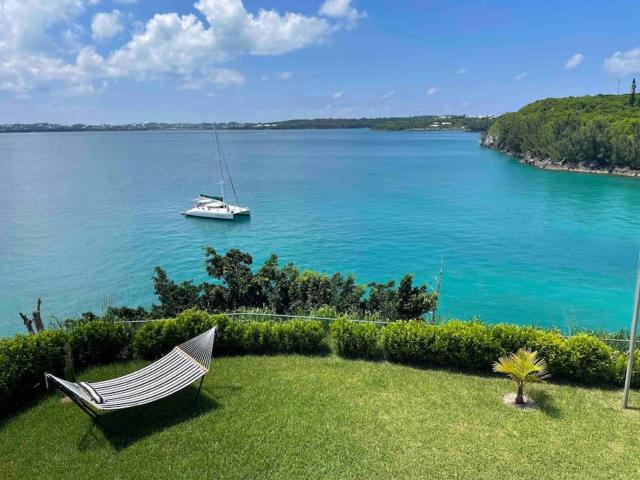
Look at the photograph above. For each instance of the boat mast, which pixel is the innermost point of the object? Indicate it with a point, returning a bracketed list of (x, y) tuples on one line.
[(221, 182)]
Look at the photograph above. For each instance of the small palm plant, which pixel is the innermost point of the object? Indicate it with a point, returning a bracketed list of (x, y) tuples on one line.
[(523, 367)]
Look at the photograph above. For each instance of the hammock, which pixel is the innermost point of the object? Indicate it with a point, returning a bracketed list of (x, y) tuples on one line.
[(185, 364)]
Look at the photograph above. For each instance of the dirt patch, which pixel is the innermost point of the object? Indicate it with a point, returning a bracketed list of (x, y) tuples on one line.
[(510, 399)]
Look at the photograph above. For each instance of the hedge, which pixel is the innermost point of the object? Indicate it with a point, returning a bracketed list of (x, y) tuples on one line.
[(472, 346), (468, 346), (156, 338), (355, 339)]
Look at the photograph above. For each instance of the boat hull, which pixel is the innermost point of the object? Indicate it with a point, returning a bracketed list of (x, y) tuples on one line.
[(217, 213)]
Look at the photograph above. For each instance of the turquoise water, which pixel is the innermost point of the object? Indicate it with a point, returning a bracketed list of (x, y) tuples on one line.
[(85, 217)]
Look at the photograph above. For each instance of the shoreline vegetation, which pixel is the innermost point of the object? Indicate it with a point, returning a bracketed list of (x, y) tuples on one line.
[(474, 123), (591, 134)]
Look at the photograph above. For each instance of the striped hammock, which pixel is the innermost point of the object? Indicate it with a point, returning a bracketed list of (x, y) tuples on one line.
[(185, 364)]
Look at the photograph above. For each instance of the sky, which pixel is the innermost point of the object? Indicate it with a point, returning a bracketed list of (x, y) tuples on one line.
[(124, 61)]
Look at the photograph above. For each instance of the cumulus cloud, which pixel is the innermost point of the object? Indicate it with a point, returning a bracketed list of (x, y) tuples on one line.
[(284, 75), (461, 71), (24, 23), (188, 47), (337, 95), (520, 76), (389, 94), (106, 25), (432, 90), (341, 9), (574, 61), (623, 63)]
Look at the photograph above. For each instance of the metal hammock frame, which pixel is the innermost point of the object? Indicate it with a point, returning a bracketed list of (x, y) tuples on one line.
[(178, 369)]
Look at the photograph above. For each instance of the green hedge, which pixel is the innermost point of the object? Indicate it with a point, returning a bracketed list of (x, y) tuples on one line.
[(23, 361), (156, 338), (469, 346), (472, 346), (355, 339)]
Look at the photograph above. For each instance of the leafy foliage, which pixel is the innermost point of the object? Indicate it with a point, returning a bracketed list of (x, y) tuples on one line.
[(522, 367), (472, 346), (602, 131), (156, 338), (355, 339), (286, 290)]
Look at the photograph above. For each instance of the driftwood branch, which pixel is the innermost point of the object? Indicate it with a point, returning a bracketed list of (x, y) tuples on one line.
[(27, 323), (36, 320)]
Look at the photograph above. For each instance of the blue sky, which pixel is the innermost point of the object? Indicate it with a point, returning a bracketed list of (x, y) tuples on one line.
[(116, 61)]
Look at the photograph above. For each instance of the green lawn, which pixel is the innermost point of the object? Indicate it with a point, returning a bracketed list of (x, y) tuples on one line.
[(300, 417)]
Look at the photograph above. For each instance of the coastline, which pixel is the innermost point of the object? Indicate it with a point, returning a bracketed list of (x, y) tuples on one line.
[(490, 141)]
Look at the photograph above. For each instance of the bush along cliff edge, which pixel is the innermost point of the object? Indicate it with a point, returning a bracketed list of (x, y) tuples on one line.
[(590, 134)]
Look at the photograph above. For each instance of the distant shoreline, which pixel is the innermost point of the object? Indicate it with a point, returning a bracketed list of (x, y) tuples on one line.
[(246, 129), (546, 164), (420, 123)]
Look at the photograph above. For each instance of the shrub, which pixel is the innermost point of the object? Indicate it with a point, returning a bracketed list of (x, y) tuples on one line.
[(549, 345), (98, 342), (409, 342), (590, 360), (156, 338), (24, 359), (465, 345), (355, 339), (620, 368)]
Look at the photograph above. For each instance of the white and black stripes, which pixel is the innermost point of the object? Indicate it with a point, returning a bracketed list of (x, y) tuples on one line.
[(182, 366)]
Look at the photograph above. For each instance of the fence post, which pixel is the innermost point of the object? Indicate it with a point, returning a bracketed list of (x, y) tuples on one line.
[(632, 340)]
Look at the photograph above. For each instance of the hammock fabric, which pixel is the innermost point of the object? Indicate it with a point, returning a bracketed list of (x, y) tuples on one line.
[(185, 364)]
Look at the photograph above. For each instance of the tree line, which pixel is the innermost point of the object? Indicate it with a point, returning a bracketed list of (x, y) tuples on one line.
[(601, 130), (280, 289)]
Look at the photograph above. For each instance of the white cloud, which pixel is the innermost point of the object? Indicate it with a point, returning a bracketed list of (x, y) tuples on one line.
[(182, 46), (432, 90), (623, 63), (574, 61), (341, 9), (219, 77), (337, 95), (464, 104), (24, 24), (284, 75), (520, 76), (389, 94), (106, 25), (461, 71)]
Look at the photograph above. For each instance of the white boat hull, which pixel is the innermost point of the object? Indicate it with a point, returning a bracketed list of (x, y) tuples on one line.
[(228, 212)]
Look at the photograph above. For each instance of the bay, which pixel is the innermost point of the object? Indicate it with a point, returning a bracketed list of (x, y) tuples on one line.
[(84, 218)]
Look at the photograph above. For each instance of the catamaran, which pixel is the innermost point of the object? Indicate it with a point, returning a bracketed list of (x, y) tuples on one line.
[(214, 206)]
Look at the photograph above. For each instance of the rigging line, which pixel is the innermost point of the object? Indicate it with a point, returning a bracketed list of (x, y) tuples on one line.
[(226, 166), (215, 132)]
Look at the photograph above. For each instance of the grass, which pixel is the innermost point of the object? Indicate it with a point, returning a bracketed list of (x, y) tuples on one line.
[(291, 417)]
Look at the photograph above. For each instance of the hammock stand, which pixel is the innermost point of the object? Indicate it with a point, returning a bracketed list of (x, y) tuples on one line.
[(178, 369)]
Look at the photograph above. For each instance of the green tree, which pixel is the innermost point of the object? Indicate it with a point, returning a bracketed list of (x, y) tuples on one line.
[(413, 302), (632, 97), (174, 297)]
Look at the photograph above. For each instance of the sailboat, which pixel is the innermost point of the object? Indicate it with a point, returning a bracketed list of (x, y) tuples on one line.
[(214, 206)]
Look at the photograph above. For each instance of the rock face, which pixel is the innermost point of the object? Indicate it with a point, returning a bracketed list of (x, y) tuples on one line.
[(492, 141)]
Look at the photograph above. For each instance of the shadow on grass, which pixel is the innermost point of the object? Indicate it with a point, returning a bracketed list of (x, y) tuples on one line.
[(125, 427), (545, 402)]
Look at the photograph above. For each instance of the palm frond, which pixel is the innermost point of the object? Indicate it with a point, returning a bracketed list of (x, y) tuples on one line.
[(524, 366)]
